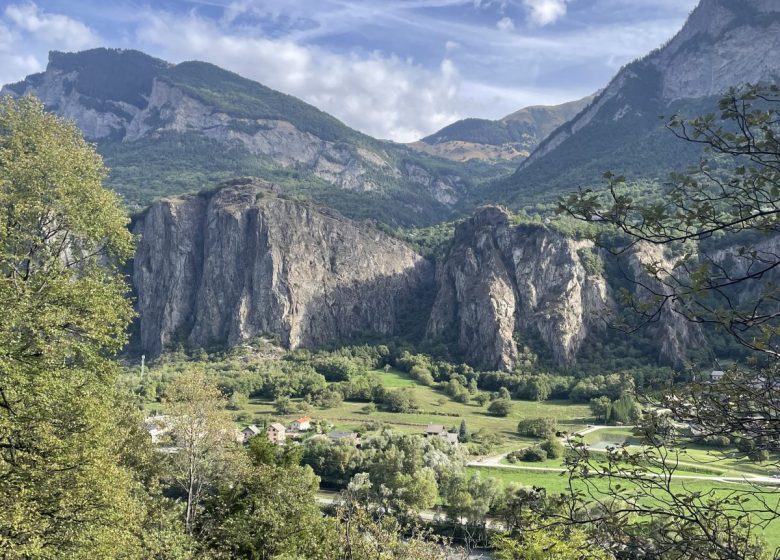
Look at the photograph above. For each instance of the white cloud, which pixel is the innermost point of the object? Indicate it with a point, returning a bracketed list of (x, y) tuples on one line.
[(545, 12), (384, 96), (27, 33), (68, 33), (14, 64), (505, 24)]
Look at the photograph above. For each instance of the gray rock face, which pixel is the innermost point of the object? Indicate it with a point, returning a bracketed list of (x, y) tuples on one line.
[(243, 262), (500, 283), (675, 336)]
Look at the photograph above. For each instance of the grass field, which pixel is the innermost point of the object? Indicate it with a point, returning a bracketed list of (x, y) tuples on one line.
[(726, 462), (557, 483), (437, 408)]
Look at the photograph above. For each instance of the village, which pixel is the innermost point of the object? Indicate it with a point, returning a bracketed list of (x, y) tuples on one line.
[(160, 428)]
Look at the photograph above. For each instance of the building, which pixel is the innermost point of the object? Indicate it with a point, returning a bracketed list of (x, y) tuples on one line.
[(276, 433), (158, 426), (302, 424), (439, 431), (717, 375), (249, 432), (450, 437), (435, 430)]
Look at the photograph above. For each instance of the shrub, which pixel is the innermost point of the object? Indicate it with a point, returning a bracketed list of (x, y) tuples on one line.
[(237, 401), (336, 368), (500, 407), (400, 400), (538, 427), (422, 374), (553, 447), (533, 454)]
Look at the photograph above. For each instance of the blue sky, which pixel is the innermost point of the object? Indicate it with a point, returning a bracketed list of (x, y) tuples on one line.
[(397, 69)]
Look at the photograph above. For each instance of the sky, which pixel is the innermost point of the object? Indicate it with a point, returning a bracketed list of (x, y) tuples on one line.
[(395, 69)]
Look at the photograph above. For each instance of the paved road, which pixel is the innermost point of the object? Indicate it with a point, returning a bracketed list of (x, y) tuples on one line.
[(495, 461)]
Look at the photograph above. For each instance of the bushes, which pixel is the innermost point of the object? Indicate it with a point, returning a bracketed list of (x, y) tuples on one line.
[(538, 427), (500, 407), (533, 454), (399, 400), (336, 368), (553, 447), (457, 391), (624, 410), (422, 374)]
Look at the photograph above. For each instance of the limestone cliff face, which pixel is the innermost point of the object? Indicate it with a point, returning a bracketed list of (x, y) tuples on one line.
[(242, 262), (501, 280), (675, 336), (500, 283)]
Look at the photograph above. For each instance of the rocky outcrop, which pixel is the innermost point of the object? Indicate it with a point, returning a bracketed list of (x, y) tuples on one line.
[(675, 336), (243, 261), (500, 284), (500, 281)]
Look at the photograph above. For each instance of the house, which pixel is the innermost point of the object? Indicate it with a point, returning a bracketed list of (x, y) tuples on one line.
[(435, 430), (450, 437), (276, 433), (349, 437), (439, 431), (717, 375), (302, 424), (158, 426), (249, 432)]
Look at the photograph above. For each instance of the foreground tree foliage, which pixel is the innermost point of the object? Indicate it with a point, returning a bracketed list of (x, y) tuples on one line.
[(718, 227), (204, 437), (64, 490)]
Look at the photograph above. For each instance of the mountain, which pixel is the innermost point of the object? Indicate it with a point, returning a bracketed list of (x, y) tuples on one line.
[(513, 137), (724, 43), (223, 267), (167, 129)]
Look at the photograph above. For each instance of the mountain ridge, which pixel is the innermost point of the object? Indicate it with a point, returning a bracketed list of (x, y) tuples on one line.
[(512, 137), (722, 44), (166, 129)]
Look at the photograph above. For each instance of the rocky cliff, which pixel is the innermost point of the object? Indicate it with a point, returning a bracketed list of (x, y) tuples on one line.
[(724, 43), (501, 283), (243, 261)]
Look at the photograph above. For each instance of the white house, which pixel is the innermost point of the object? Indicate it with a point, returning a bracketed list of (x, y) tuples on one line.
[(157, 426), (302, 424), (717, 375)]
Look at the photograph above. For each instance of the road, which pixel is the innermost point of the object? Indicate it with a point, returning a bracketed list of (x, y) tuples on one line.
[(495, 462)]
